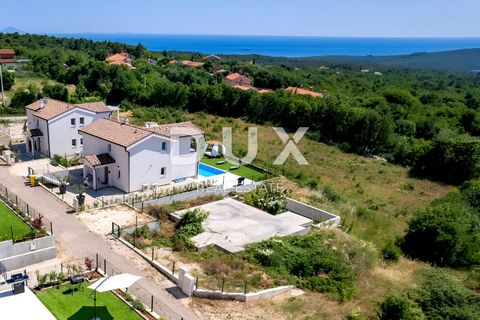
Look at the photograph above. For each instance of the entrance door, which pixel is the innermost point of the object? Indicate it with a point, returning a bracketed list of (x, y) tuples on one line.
[(105, 175)]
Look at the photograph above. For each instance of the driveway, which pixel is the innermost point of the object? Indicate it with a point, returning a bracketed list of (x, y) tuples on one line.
[(75, 238)]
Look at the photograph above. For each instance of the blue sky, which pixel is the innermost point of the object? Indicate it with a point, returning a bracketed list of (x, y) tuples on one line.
[(378, 18)]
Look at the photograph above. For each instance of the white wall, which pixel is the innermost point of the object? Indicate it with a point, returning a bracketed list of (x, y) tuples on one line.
[(93, 145), (62, 132), (146, 161), (43, 126), (183, 161)]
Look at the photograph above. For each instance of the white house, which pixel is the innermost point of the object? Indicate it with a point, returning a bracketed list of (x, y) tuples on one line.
[(131, 158), (52, 126)]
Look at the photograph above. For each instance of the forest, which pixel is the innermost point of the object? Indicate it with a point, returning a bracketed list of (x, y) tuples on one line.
[(426, 120)]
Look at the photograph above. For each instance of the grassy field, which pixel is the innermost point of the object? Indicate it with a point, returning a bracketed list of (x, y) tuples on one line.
[(9, 219), (22, 82), (374, 198), (244, 171), (79, 306)]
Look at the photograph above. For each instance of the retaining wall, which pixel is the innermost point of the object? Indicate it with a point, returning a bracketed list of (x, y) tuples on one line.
[(18, 255), (243, 297), (325, 218)]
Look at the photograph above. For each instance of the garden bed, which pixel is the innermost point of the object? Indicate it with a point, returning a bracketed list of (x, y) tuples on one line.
[(10, 221)]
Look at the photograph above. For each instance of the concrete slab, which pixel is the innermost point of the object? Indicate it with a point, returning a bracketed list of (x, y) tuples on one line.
[(232, 225), (23, 306)]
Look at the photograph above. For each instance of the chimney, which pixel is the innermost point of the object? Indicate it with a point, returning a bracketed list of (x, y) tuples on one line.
[(43, 102)]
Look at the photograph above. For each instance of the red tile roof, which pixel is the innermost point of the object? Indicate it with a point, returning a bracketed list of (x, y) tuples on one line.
[(96, 160), (234, 76), (181, 129), (305, 92), (53, 108), (126, 135), (115, 132), (7, 52)]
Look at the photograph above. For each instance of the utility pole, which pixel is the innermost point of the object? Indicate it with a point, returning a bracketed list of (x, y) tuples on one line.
[(1, 83)]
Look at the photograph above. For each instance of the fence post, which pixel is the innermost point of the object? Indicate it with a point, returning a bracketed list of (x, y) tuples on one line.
[(173, 268), (16, 201), (223, 284), (153, 252), (61, 267), (113, 230), (11, 231), (28, 210), (151, 304), (104, 266), (245, 287), (196, 284), (142, 206), (102, 203), (51, 228), (96, 262)]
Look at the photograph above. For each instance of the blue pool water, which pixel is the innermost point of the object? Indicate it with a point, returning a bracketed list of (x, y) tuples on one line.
[(207, 171)]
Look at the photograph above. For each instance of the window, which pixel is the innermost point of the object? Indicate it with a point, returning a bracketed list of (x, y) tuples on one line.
[(109, 147), (82, 121), (163, 171), (81, 141), (72, 122), (74, 143), (164, 146)]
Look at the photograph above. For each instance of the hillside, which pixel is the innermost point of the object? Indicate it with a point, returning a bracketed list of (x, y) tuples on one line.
[(458, 60)]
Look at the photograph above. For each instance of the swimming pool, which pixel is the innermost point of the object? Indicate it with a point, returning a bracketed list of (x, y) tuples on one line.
[(207, 171)]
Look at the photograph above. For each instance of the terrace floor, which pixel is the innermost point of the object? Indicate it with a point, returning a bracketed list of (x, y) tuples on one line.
[(23, 306), (233, 224)]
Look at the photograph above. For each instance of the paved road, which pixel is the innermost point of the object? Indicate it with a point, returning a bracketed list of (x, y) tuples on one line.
[(75, 238)]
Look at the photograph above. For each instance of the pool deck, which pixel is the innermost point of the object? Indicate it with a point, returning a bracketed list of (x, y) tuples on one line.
[(226, 179)]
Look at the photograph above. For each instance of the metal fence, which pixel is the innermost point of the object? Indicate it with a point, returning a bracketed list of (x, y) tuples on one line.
[(153, 303), (23, 209)]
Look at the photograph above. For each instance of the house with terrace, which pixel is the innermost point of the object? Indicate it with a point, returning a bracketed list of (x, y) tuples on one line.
[(52, 126), (132, 158)]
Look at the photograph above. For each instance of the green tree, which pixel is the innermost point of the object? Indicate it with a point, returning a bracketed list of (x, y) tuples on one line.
[(56, 91), (447, 233)]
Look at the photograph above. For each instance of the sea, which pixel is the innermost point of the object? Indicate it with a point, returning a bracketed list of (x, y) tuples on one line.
[(282, 46)]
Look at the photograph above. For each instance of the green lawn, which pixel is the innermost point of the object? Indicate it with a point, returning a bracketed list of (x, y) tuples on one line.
[(79, 306), (9, 219), (244, 171)]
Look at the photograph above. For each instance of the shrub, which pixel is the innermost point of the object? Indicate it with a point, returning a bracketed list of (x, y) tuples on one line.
[(471, 191), (443, 297), (331, 195), (447, 233), (189, 226), (37, 222), (399, 308), (137, 304), (88, 263), (391, 252), (268, 197), (320, 261)]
